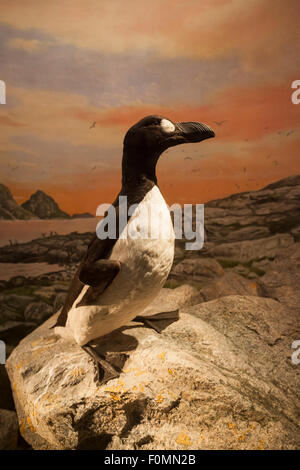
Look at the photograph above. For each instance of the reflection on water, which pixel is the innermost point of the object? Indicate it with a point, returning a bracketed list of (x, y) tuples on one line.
[(26, 230)]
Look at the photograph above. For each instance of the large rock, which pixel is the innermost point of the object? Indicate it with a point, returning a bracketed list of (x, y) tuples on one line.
[(221, 377), (43, 206), (254, 249), (197, 270), (229, 284), (9, 209)]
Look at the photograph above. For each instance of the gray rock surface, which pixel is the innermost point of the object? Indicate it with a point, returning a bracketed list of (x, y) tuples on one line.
[(221, 377)]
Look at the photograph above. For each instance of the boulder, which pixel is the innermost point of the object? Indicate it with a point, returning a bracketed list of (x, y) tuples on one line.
[(229, 284), (37, 312), (221, 377), (252, 249), (197, 269)]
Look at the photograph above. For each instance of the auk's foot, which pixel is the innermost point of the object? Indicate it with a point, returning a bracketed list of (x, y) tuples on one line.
[(105, 370), (159, 321)]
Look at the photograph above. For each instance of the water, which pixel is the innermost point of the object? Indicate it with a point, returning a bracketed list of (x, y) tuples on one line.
[(9, 270), (26, 230)]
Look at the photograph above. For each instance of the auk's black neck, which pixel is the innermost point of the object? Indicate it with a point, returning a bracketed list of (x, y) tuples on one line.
[(138, 170)]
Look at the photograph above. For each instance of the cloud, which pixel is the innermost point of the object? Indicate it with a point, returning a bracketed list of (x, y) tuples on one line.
[(28, 45), (8, 121)]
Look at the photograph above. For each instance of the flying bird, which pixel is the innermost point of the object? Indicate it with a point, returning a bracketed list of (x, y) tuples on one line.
[(121, 274), (219, 123), (289, 133), (14, 168), (93, 125)]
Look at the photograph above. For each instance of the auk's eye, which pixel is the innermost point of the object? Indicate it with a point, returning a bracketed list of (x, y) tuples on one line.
[(167, 126)]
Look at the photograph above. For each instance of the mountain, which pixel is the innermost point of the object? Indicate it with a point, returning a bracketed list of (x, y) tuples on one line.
[(9, 209), (44, 206)]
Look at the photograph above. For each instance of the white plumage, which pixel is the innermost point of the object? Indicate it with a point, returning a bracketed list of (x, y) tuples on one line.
[(145, 265)]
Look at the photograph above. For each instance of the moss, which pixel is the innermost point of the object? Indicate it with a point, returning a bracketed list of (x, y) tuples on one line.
[(228, 263), (171, 284), (22, 290)]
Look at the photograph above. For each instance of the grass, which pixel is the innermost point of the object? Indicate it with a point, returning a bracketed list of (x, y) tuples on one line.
[(22, 290), (228, 263), (171, 284)]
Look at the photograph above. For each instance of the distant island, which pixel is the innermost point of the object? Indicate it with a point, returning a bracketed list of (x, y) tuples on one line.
[(39, 206)]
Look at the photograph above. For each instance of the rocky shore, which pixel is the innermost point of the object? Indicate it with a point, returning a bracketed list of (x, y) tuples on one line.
[(219, 377)]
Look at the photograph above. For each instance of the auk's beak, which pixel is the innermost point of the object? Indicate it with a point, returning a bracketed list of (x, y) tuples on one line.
[(194, 131)]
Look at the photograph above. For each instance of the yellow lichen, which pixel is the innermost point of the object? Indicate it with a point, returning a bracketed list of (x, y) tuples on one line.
[(261, 445), (162, 356), (184, 439), (159, 398), (77, 372), (30, 425), (115, 397)]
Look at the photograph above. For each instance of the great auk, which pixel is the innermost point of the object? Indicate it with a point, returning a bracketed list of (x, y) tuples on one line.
[(120, 276)]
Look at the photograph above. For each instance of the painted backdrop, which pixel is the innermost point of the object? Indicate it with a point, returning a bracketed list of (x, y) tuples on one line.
[(70, 63)]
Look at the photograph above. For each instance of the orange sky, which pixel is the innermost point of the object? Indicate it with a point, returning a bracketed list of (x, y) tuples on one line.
[(69, 63)]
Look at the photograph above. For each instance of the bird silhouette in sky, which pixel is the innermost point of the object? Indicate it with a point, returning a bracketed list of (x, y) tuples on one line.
[(14, 168), (219, 123), (289, 133), (93, 125)]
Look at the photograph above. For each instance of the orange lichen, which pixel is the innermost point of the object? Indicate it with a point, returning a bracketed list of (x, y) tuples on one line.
[(261, 445), (77, 372), (159, 398), (115, 397), (30, 425), (184, 439), (162, 356)]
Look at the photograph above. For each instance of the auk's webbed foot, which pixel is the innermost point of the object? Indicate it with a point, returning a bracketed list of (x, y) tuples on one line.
[(159, 321), (105, 370)]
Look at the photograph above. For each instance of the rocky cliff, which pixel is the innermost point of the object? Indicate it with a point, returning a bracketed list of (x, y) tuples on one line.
[(9, 209), (44, 206), (222, 376)]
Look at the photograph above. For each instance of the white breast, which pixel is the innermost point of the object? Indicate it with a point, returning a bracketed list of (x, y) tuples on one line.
[(145, 265)]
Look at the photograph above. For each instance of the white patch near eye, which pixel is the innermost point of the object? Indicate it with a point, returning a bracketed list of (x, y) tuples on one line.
[(167, 125)]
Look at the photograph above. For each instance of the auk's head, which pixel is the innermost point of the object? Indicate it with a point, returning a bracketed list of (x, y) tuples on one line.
[(151, 136)]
